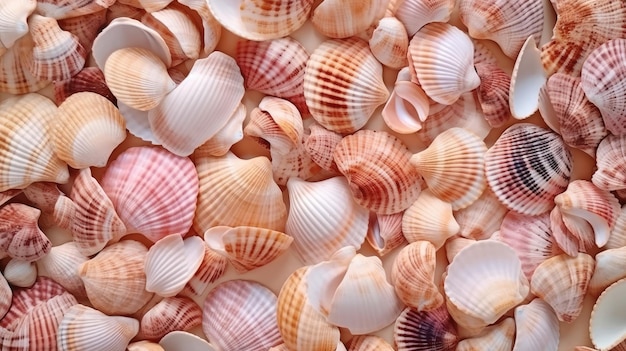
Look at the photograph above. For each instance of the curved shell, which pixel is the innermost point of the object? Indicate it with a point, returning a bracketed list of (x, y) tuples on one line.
[(385, 233), (369, 343), (377, 168), (60, 9), (179, 31), (15, 76), (153, 191), (429, 218), (170, 314), (610, 267), (175, 340), (20, 273), (320, 145), (343, 19), (211, 268), (389, 43), (493, 93), (228, 136), (414, 14), (527, 78), (88, 79), (343, 84), (527, 167), (85, 27), (407, 106), (606, 315), (536, 327), (61, 265), (426, 330), (13, 21), (498, 336), (610, 173), (21, 236), (6, 295), (482, 218)]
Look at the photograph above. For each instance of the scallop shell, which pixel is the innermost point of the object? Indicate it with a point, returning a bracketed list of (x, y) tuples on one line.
[(493, 93), (170, 314), (241, 315), (274, 67), (323, 217), (502, 283), (144, 345), (618, 234), (343, 84), (148, 5), (610, 173), (57, 54), (115, 280), (178, 30), (389, 43), (610, 267), (85, 328), (429, 218), (61, 265), (6, 295), (413, 276), (565, 294), (227, 183), (425, 330), (457, 243), (85, 27), (482, 218), (88, 79), (536, 327), (60, 9), (376, 166), (15, 76), (130, 182), (526, 81), (22, 238), (369, 343), (343, 19), (452, 167), (25, 125), (278, 122), (442, 57), (320, 145), (385, 233), (247, 248), (211, 268), (13, 18), (499, 337), (503, 22), (527, 167), (52, 202), (211, 28), (407, 106), (606, 318), (414, 14), (20, 273)]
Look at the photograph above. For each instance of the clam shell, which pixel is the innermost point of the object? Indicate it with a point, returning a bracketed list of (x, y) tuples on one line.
[(148, 5), (369, 343), (175, 340), (20, 273), (443, 80), (425, 330), (455, 244), (13, 20), (343, 19), (211, 268), (15, 76), (6, 295), (429, 218), (130, 182), (389, 43), (606, 318), (343, 84), (88, 79), (51, 201), (385, 233), (526, 81), (376, 166), (609, 174), (609, 268), (320, 145), (536, 327), (60, 9), (144, 346), (407, 106), (228, 136), (85, 27), (212, 30), (170, 314), (482, 218), (618, 234), (241, 315), (25, 124), (499, 336), (545, 168), (414, 14), (178, 30), (562, 282), (61, 265), (22, 238), (493, 93), (278, 122)]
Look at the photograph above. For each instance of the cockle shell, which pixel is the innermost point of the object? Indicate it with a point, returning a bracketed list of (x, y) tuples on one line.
[(147, 5), (369, 343), (455, 244), (452, 167), (527, 78), (88, 79), (153, 191), (170, 314), (610, 267), (610, 173), (414, 14), (61, 265), (212, 30), (413, 275), (605, 324), (429, 218), (60, 9), (385, 233), (20, 273), (389, 43), (144, 345), (13, 21), (407, 107), (85, 27), (562, 282), (211, 268), (7, 195), (376, 166), (15, 76), (21, 237), (536, 327), (493, 93), (25, 123), (227, 183), (179, 31), (425, 330), (527, 167), (241, 315), (85, 328), (115, 280), (343, 19), (442, 57), (320, 145), (278, 122), (503, 22), (228, 136), (499, 336), (6, 295), (343, 84), (572, 233), (482, 218), (51, 201), (618, 234)]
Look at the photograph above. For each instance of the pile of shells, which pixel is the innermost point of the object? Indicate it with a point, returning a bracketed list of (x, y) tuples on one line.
[(380, 175)]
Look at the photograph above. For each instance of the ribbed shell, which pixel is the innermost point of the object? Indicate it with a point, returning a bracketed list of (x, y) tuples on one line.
[(385, 233), (60, 9), (426, 330), (153, 191), (179, 31), (482, 218), (6, 295), (13, 21), (527, 167), (618, 234), (377, 168), (212, 268), (493, 93), (170, 314), (88, 79), (61, 265), (85, 27), (498, 336), (21, 236), (389, 43), (414, 14), (611, 172), (407, 107), (429, 218), (320, 145), (606, 318), (536, 327), (15, 76), (369, 343), (343, 84), (343, 19), (241, 315), (610, 267)]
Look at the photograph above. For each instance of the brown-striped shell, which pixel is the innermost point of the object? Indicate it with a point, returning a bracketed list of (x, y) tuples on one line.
[(610, 173)]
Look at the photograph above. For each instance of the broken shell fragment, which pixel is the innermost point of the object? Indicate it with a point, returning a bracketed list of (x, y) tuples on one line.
[(526, 81)]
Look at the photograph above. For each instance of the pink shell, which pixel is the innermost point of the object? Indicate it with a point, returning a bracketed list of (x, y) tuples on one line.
[(21, 237)]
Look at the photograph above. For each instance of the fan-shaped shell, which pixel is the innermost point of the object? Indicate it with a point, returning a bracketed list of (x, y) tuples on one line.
[(21, 236), (6, 295), (482, 218), (385, 233), (13, 21), (609, 268), (60, 9), (343, 19), (425, 330), (493, 93), (61, 265), (320, 145), (610, 173), (369, 343), (85, 27), (414, 14), (498, 336), (88, 79), (536, 327), (15, 76), (211, 268), (429, 218), (170, 314), (389, 43), (175, 25)]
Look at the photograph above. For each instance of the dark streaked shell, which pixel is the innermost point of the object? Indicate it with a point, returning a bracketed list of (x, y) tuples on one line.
[(425, 331), (88, 79)]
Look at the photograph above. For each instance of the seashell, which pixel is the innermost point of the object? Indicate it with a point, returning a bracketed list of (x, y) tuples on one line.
[(300, 325), (171, 262), (564, 294), (182, 126), (211, 268), (343, 84), (530, 237), (8, 195), (137, 123), (60, 9), (503, 284), (228, 136), (609, 268), (482, 218), (22, 238), (429, 218), (227, 183), (85, 27), (566, 240), (20, 273), (95, 222), (389, 43), (455, 244), (425, 330), (135, 34), (179, 32), (129, 181), (57, 54), (170, 314), (503, 22), (443, 80), (85, 328), (369, 343), (320, 145), (14, 21), (385, 232), (6, 295), (413, 276), (527, 78), (61, 265), (407, 106), (148, 5), (606, 318), (581, 230), (88, 79), (175, 340), (609, 174), (137, 77), (483, 54), (124, 8), (493, 93), (343, 19), (144, 346), (15, 76), (212, 29), (241, 315), (115, 280), (618, 234), (24, 123), (527, 167), (536, 327), (50, 200), (351, 291), (581, 27), (247, 248), (274, 67), (278, 122), (415, 14), (452, 167), (499, 337), (376, 166), (84, 139), (295, 163), (323, 217)]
